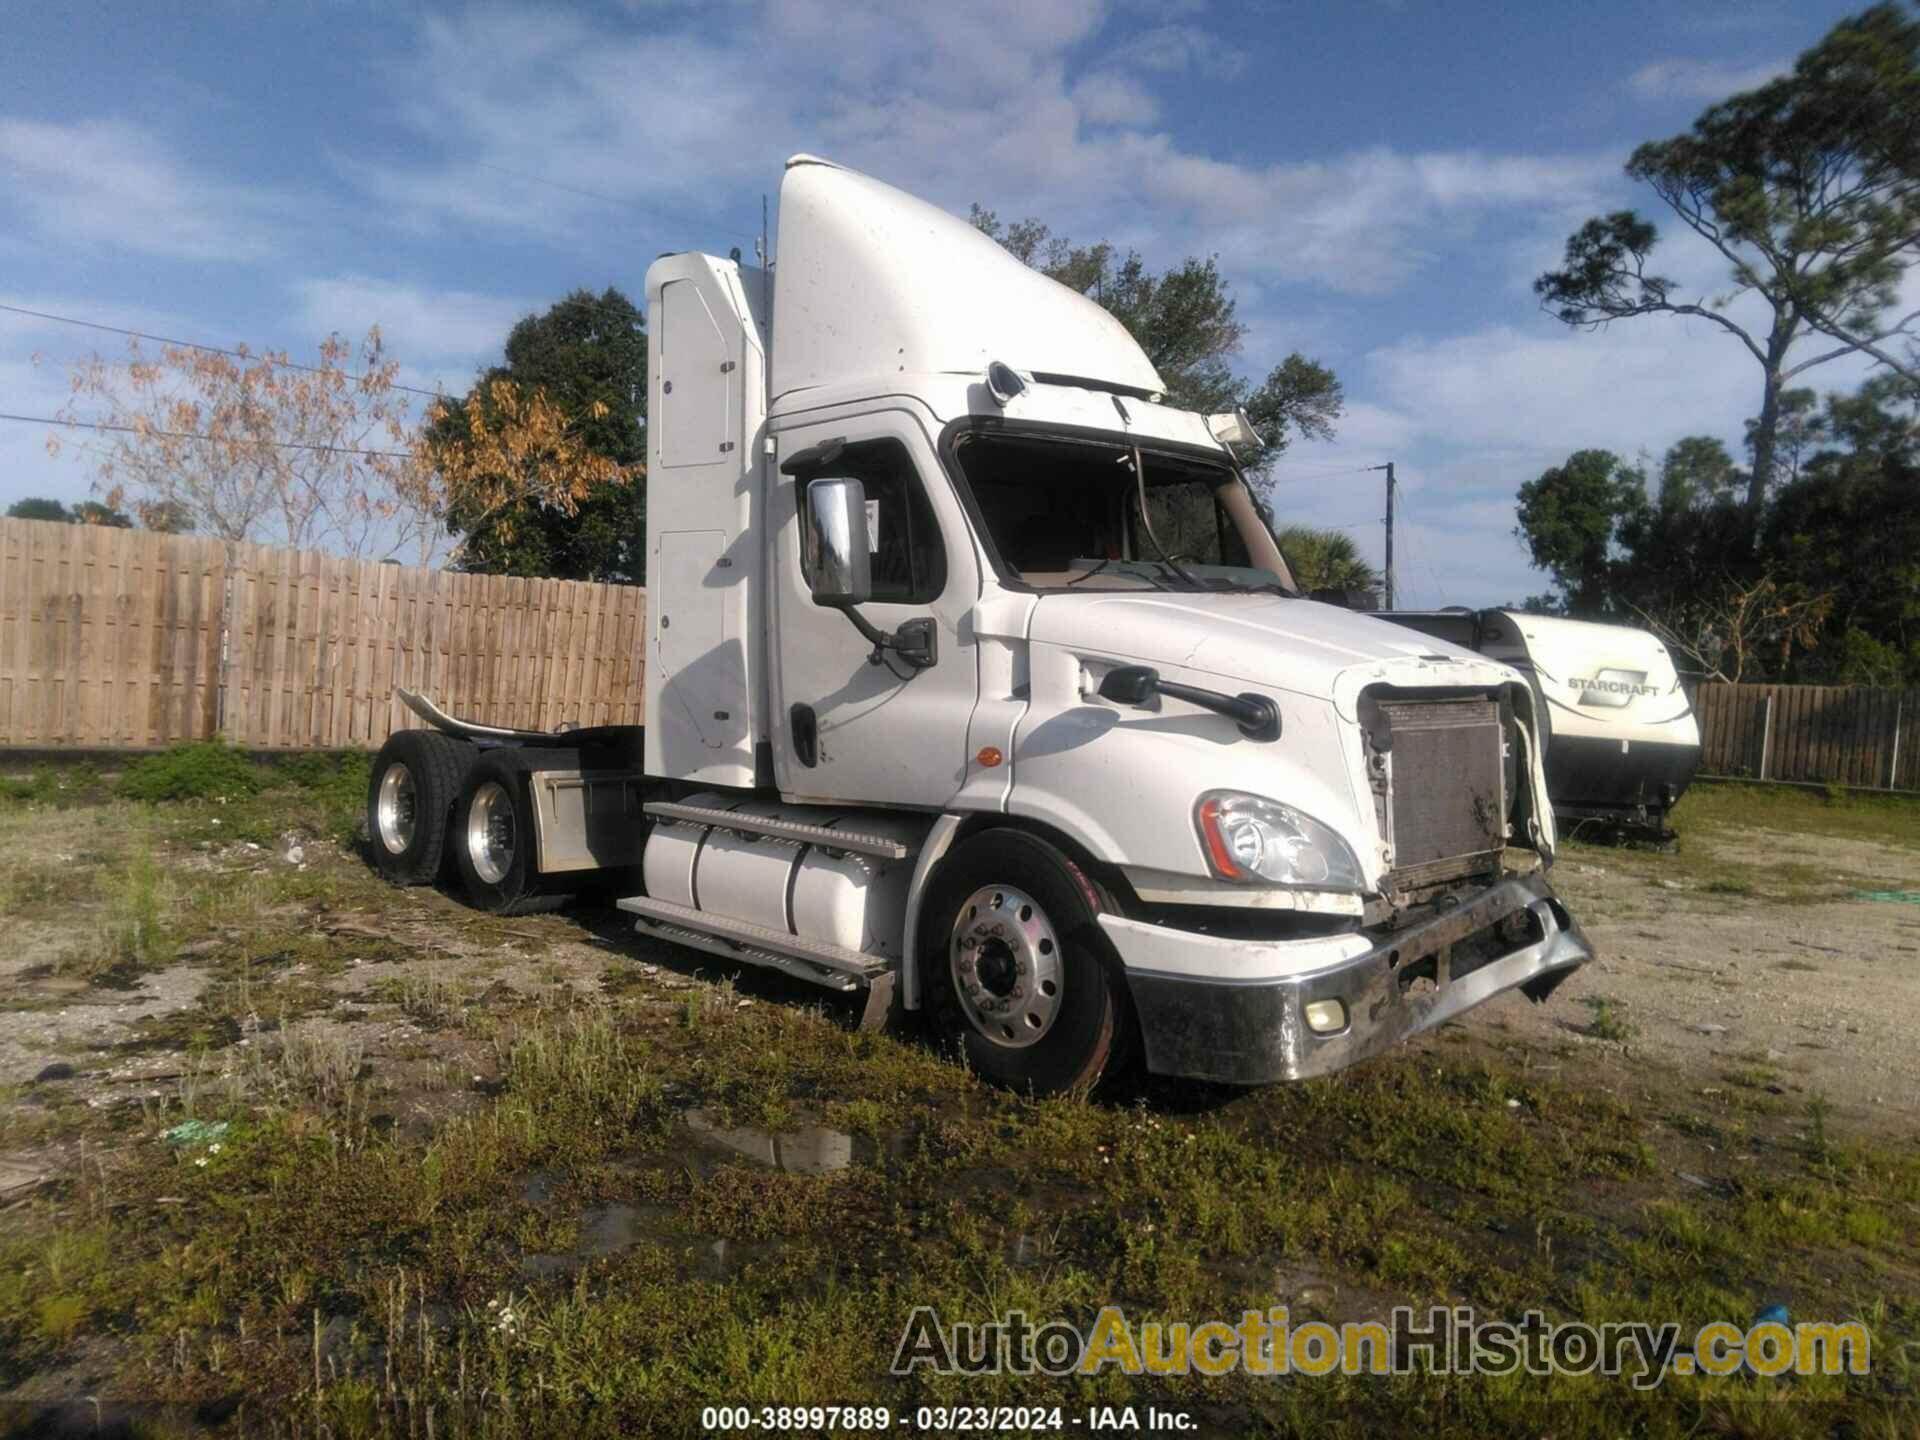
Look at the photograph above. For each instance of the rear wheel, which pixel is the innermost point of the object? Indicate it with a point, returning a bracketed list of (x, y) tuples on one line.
[(493, 838), (1015, 971), (416, 779)]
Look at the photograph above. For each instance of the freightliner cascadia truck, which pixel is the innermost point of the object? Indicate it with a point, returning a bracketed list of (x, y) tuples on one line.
[(976, 687)]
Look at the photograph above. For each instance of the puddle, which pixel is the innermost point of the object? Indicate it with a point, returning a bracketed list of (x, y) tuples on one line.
[(808, 1149), (605, 1230), (719, 1260), (1025, 1249), (805, 1150)]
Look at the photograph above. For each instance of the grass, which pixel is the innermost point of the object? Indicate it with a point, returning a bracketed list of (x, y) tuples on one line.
[(1608, 1023), (1839, 814), (1727, 845), (345, 1260), (1423, 1177)]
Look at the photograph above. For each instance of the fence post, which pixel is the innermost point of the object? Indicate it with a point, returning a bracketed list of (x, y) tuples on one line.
[(1766, 735), (1893, 763)]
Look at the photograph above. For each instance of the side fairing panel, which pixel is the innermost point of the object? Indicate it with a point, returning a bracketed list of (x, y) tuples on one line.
[(706, 649)]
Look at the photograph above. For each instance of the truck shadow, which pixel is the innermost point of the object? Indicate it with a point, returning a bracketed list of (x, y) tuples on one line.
[(611, 931)]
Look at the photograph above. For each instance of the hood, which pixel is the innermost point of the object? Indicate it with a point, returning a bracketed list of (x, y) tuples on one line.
[(1273, 641)]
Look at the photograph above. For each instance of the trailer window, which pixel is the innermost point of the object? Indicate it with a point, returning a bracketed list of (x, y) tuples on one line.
[(909, 563)]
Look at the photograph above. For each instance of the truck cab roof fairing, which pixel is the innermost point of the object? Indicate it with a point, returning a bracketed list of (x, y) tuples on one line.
[(872, 282)]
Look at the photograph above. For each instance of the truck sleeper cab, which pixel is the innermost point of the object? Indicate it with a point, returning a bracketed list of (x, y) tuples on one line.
[(976, 684)]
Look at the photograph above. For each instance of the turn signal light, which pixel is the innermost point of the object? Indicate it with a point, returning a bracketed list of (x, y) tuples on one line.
[(1326, 1016), (989, 756)]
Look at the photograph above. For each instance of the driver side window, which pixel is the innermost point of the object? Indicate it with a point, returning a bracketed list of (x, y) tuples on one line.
[(909, 562)]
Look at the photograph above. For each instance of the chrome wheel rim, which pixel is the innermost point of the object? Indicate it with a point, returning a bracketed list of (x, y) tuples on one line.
[(490, 832), (396, 810), (1005, 956)]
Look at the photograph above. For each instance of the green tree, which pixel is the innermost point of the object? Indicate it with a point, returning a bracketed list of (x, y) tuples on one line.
[(1693, 539), (36, 507), (1570, 518), (1697, 471), (1325, 559), (1184, 319), (86, 512), (1809, 187), (1849, 528), (588, 356), (92, 512), (166, 518)]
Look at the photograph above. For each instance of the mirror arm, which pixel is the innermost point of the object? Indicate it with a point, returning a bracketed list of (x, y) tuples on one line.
[(1256, 715), (916, 641)]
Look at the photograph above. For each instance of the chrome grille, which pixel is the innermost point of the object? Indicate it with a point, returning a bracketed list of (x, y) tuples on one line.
[(1448, 795)]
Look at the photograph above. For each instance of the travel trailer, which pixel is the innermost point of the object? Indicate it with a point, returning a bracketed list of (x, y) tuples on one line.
[(1622, 740), (976, 686)]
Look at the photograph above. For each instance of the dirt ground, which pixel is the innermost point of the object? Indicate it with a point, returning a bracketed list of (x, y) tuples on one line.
[(1805, 996), (205, 1004), (1814, 996)]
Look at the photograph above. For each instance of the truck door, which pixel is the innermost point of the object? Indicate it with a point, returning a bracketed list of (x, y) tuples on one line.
[(847, 728)]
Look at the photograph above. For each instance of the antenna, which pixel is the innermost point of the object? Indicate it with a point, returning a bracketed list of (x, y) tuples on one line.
[(760, 245)]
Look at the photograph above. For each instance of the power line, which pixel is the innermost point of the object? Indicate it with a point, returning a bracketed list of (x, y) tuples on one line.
[(195, 435), (209, 349), (1324, 474)]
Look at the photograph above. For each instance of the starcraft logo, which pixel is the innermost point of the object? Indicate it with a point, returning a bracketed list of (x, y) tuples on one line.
[(1612, 689)]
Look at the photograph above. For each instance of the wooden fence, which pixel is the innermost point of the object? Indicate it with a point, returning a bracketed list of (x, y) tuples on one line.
[(126, 639), (1853, 735)]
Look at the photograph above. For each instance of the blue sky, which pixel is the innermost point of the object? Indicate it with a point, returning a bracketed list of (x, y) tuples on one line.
[(1381, 182)]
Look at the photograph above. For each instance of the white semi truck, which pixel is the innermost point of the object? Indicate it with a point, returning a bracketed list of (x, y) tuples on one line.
[(976, 684)]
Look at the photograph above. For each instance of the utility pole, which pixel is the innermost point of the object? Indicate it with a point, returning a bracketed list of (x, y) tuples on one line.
[(1388, 467)]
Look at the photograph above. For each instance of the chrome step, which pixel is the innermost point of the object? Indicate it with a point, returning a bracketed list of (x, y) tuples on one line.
[(743, 936), (774, 828)]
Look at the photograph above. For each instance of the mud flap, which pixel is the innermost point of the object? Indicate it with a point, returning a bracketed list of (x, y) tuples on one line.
[(883, 1001)]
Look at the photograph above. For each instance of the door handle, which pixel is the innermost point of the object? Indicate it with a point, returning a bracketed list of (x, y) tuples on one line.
[(804, 729)]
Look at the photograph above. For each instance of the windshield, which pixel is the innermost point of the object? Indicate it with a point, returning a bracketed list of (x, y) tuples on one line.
[(1065, 514)]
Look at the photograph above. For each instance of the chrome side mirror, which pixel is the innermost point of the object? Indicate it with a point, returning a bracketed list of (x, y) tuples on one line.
[(834, 553)]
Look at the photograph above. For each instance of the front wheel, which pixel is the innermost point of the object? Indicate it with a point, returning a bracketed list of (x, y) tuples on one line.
[(1015, 971)]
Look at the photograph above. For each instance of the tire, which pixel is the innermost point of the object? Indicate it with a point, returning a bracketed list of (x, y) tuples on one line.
[(416, 779), (1015, 971), (493, 836)]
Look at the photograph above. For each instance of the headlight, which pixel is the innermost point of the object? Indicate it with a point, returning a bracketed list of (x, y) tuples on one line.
[(1247, 838)]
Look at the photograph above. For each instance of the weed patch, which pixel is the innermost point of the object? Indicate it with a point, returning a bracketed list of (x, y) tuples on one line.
[(206, 771)]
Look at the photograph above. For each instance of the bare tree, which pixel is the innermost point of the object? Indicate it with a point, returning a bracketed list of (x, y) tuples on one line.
[(1724, 629), (250, 446)]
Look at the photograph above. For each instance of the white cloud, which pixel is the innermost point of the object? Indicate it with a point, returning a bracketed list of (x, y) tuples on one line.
[(1174, 48), (1108, 98), (1700, 79), (111, 184), (420, 325), (991, 103)]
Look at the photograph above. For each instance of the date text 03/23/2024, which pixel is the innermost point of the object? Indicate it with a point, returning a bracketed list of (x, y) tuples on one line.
[(947, 1419)]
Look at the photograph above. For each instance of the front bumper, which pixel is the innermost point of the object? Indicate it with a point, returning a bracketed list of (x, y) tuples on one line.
[(1234, 1010)]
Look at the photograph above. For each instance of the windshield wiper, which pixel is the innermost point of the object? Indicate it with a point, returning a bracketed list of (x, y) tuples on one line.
[(1146, 520)]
